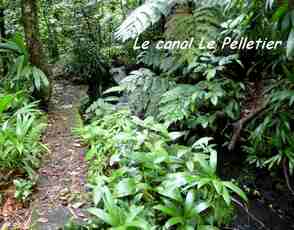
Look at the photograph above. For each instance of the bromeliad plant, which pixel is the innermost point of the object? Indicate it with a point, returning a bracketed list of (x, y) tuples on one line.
[(135, 163), (21, 126)]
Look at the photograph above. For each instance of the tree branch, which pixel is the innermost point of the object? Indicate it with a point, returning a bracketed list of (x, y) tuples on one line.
[(239, 125), (285, 170), (249, 213)]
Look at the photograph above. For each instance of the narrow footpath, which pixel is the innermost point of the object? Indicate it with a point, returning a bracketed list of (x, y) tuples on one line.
[(60, 194)]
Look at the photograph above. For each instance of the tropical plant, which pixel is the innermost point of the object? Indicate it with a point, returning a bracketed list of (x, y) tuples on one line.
[(23, 189), (271, 141), (120, 217), (149, 13), (21, 127), (143, 90), (284, 21), (134, 164), (21, 72), (191, 102)]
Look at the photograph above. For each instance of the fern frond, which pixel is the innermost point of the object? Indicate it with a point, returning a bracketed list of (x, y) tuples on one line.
[(176, 103), (144, 90), (210, 3), (151, 57)]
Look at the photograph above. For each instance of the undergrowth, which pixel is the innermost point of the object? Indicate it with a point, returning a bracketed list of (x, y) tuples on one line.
[(142, 179)]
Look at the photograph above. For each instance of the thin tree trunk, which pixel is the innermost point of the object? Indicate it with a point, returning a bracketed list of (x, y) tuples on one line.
[(30, 21), (37, 58)]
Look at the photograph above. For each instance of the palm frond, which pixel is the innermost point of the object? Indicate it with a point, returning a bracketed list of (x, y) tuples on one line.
[(143, 17), (150, 12)]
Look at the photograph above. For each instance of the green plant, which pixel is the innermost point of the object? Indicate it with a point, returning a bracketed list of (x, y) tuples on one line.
[(152, 58), (284, 21), (21, 72), (143, 90), (5, 104), (89, 65), (191, 103), (135, 163), (149, 13), (120, 217), (271, 141), (20, 133), (23, 189)]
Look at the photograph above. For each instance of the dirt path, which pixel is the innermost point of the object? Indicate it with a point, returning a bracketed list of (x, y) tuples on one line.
[(60, 191)]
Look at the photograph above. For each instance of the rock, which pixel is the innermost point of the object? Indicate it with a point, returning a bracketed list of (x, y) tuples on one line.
[(118, 74), (56, 219)]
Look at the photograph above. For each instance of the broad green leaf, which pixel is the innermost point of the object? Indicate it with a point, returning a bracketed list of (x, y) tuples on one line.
[(218, 186), (176, 135), (226, 196), (286, 22), (125, 187), (5, 102), (40, 79), (167, 210), (97, 195), (10, 47), (189, 202), (236, 189), (280, 12), (214, 100), (202, 207), (134, 212), (213, 160), (202, 142), (19, 65), (210, 74), (202, 182), (174, 221), (101, 214), (114, 89), (139, 223), (171, 192), (290, 44), (207, 227)]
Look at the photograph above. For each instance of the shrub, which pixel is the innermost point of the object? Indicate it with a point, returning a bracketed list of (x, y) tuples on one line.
[(141, 179)]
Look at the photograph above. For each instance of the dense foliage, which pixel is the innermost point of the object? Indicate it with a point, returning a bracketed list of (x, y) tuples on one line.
[(163, 127), (22, 122), (141, 179)]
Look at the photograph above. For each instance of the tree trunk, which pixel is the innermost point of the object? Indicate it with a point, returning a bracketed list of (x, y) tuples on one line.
[(30, 21), (37, 58)]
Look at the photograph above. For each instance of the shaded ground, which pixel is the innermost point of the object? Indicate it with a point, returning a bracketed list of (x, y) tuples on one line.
[(271, 205), (60, 192), (61, 186)]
